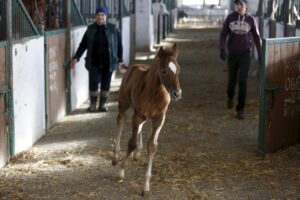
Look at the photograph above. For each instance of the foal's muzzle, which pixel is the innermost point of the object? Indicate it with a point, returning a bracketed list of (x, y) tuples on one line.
[(176, 94)]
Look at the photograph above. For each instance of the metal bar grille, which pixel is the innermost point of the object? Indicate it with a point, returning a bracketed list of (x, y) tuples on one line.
[(285, 11), (76, 18), (2, 21), (87, 8), (54, 15), (22, 26)]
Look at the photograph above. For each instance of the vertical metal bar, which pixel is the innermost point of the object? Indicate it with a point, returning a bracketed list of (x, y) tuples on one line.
[(261, 17), (22, 26), (262, 98), (116, 8), (133, 32), (68, 51), (9, 97), (170, 17), (163, 27), (46, 80), (89, 9), (120, 14), (158, 29)]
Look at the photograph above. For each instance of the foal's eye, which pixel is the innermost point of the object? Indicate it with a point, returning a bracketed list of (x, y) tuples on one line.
[(163, 71)]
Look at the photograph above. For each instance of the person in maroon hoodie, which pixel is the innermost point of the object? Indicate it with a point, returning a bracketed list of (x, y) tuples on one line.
[(237, 30)]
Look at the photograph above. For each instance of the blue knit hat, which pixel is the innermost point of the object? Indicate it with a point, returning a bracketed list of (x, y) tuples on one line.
[(242, 1), (102, 9)]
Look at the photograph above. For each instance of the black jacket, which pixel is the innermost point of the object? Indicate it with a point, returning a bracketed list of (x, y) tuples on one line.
[(115, 49)]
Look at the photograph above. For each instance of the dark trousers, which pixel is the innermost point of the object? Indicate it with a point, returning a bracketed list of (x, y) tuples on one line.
[(238, 68), (98, 75)]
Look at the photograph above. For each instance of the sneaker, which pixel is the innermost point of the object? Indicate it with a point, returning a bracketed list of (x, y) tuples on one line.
[(240, 115), (229, 103)]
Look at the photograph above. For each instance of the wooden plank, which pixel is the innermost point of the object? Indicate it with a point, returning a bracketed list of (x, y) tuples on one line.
[(283, 110), (272, 131), (3, 132), (56, 77), (2, 67), (3, 135), (293, 128), (271, 59), (282, 94)]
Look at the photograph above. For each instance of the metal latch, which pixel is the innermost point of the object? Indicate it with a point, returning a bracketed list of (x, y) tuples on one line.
[(273, 89), (3, 91)]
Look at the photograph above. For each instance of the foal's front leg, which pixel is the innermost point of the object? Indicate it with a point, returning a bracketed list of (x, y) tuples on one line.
[(137, 123), (157, 124), (117, 149), (138, 151)]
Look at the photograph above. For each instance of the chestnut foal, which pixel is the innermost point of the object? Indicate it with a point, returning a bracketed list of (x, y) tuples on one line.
[(148, 90)]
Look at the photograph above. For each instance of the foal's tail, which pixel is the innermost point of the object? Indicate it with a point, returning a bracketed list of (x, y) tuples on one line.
[(123, 68)]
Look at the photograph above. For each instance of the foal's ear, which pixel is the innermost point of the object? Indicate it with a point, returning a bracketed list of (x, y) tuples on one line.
[(175, 50), (161, 52)]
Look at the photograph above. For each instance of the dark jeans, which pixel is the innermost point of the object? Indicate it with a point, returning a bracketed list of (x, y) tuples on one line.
[(97, 75), (238, 68)]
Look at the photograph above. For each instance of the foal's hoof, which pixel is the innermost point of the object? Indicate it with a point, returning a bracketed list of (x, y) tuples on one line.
[(145, 193), (136, 156), (120, 179), (116, 159), (114, 162), (120, 176)]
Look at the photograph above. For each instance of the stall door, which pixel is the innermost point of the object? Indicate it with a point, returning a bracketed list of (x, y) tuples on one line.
[(279, 124), (55, 76)]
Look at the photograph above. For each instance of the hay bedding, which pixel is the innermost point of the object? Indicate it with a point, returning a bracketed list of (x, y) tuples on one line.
[(201, 155)]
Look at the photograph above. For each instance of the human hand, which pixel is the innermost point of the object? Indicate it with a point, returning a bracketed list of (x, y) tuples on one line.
[(73, 63), (223, 54), (122, 67)]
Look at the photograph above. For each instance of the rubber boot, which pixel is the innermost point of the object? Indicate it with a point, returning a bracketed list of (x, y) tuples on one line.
[(103, 99), (93, 104)]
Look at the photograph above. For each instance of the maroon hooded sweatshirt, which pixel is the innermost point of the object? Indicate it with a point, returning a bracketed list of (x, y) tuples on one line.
[(238, 29)]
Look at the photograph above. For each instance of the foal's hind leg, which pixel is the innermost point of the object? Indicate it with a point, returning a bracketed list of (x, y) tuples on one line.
[(157, 124), (137, 123), (121, 123)]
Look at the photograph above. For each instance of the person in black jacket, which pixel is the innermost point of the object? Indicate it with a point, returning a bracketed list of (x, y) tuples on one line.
[(104, 48), (238, 28)]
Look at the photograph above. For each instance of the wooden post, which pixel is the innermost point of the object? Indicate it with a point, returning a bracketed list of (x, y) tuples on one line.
[(272, 28), (289, 27), (289, 30), (297, 23), (132, 35), (158, 29), (261, 17)]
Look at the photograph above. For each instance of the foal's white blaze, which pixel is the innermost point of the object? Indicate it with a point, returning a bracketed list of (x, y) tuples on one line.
[(173, 67)]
